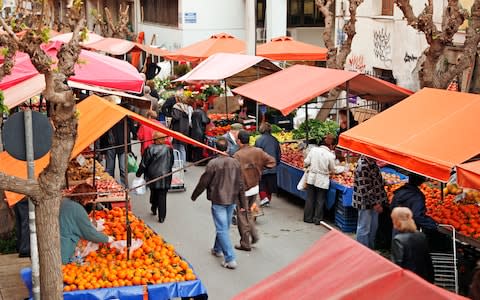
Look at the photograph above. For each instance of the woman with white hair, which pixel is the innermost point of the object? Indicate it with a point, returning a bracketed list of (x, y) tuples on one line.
[(409, 246)]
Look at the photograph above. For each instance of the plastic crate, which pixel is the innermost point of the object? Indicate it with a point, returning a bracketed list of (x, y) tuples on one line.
[(345, 217), (346, 212), (345, 226)]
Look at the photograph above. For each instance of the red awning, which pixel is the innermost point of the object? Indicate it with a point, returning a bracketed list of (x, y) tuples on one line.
[(468, 175), (428, 133), (338, 267), (223, 65), (286, 48), (290, 88), (96, 116)]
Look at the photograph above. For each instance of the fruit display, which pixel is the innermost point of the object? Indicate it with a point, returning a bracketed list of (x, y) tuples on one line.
[(76, 172), (217, 130), (390, 178), (282, 137), (453, 189), (464, 217), (471, 197), (107, 188), (292, 155), (154, 262), (218, 117)]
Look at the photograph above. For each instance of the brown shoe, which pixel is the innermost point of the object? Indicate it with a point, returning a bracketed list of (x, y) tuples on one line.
[(240, 247)]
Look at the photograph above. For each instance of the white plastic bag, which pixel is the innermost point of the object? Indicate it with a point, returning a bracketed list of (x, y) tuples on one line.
[(302, 184), (121, 245), (142, 189)]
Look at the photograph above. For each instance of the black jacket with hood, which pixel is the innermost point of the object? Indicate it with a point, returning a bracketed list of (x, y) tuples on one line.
[(410, 196)]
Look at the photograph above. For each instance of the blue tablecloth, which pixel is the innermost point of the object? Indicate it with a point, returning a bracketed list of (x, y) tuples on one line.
[(157, 291)]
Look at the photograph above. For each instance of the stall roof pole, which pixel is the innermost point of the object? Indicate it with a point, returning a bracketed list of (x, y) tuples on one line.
[(127, 201), (31, 207), (226, 100), (306, 122)]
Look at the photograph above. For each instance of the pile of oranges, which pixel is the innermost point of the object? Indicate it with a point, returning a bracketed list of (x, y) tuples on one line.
[(155, 262), (464, 217)]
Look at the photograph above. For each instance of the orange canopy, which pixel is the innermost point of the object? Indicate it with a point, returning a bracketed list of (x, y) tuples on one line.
[(120, 47), (468, 175), (97, 116), (428, 133), (286, 48), (292, 87), (222, 42)]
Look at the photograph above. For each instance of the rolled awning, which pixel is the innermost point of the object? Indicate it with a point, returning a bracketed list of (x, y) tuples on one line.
[(468, 175)]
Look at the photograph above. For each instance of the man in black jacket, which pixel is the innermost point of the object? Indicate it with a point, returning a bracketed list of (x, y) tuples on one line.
[(410, 196), (115, 137)]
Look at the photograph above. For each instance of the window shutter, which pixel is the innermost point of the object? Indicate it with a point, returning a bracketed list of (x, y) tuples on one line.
[(387, 7)]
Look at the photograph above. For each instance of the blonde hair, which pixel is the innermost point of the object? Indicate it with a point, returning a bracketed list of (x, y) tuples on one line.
[(402, 218)]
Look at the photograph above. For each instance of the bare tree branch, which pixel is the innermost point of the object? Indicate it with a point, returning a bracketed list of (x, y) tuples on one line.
[(19, 185)]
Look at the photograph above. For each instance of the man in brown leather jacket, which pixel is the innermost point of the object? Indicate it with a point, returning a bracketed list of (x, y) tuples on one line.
[(253, 161), (225, 189)]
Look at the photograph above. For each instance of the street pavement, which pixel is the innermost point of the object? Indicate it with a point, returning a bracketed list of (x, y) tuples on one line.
[(189, 227)]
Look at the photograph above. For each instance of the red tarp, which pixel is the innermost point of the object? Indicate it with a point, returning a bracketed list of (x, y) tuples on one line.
[(428, 133), (97, 116), (290, 88), (93, 69), (338, 267)]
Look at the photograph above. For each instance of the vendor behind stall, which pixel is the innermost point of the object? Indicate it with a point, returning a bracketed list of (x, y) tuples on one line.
[(75, 224)]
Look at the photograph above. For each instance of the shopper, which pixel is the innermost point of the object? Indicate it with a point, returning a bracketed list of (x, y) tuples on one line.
[(151, 69), (232, 137), (115, 138), (409, 195), (345, 115), (368, 197), (181, 120), (409, 246), (75, 224), (157, 161), (268, 143), (145, 133), (253, 161), (320, 162), (200, 121), (225, 189)]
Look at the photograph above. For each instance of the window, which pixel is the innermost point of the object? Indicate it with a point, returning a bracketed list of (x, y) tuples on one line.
[(304, 13), (261, 13), (163, 12), (387, 7)]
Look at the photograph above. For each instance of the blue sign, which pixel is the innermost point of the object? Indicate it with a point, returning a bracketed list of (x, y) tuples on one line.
[(263, 109), (190, 17)]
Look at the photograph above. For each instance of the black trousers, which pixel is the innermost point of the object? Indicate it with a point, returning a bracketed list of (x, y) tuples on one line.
[(314, 206), (23, 231), (158, 199)]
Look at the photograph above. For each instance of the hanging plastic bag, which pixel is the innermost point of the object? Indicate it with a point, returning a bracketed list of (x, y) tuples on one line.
[(142, 188), (121, 245), (132, 163), (302, 184)]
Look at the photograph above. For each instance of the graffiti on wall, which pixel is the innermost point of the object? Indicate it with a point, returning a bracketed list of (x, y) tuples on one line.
[(356, 63), (382, 46), (409, 57)]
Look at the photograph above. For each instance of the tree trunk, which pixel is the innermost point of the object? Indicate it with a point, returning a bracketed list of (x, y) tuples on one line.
[(328, 104), (7, 219), (47, 221)]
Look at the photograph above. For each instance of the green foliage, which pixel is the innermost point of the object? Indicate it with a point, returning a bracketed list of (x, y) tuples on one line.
[(45, 34), (181, 70), (3, 107), (78, 3), (317, 130), (4, 51), (84, 34), (8, 246), (276, 128)]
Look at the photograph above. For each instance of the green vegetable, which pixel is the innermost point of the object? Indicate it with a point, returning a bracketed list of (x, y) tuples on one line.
[(276, 128), (317, 130)]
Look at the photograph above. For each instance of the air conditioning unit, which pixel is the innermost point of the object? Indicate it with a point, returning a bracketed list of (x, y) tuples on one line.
[(261, 35)]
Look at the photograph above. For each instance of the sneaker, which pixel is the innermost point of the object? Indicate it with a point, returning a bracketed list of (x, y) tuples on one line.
[(215, 253), (230, 265), (264, 202)]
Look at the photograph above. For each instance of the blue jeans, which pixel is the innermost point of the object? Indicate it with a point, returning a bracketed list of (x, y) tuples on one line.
[(222, 217), (183, 152), (367, 227), (110, 164)]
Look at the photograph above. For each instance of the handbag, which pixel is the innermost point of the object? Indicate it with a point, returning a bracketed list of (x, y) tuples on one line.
[(302, 184), (132, 163)]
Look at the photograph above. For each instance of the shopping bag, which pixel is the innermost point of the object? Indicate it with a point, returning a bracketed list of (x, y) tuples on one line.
[(132, 163), (302, 184), (140, 182)]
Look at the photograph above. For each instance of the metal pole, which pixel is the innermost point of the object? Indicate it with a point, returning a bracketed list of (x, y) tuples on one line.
[(27, 119), (226, 100), (127, 200), (306, 122), (348, 106)]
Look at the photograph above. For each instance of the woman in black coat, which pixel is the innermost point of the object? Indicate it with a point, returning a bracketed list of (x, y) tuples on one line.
[(200, 121), (157, 160), (409, 246)]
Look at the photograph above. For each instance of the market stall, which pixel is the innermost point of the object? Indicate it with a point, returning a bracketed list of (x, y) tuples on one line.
[(148, 252), (286, 48), (337, 267)]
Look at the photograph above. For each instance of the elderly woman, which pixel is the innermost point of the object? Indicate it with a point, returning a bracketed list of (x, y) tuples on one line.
[(409, 246), (157, 161), (75, 224)]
